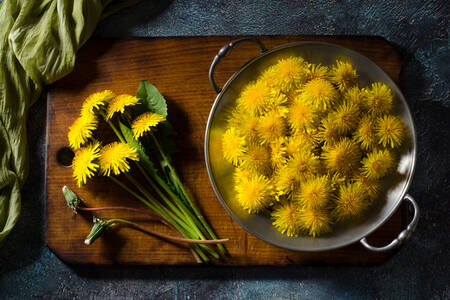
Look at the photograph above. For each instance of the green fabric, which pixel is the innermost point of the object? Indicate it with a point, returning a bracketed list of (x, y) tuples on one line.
[(38, 43)]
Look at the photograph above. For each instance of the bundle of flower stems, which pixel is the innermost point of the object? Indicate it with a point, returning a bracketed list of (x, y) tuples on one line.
[(143, 133)]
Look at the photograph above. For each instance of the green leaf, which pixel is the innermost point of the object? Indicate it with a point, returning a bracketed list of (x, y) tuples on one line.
[(143, 157), (151, 100)]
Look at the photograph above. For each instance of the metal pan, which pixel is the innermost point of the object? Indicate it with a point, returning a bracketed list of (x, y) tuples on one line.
[(220, 171)]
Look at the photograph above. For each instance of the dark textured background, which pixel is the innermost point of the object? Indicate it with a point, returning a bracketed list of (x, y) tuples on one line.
[(421, 269)]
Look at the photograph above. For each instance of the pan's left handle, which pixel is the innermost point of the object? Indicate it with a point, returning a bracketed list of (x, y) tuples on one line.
[(224, 51), (404, 235)]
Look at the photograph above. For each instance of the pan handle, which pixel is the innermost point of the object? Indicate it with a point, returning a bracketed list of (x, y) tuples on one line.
[(404, 235), (224, 51)]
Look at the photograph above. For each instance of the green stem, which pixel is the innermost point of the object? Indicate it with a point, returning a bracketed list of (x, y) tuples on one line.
[(114, 128), (186, 195), (163, 235), (186, 213), (183, 230)]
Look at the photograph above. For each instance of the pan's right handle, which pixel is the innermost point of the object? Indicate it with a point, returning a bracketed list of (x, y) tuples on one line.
[(224, 51), (403, 236)]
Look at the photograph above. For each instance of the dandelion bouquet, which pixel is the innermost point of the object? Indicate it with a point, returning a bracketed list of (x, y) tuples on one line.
[(143, 143), (309, 146)]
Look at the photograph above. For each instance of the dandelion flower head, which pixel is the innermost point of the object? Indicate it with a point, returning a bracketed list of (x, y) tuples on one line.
[(365, 134), (320, 93), (346, 117), (96, 101), (271, 127), (114, 158), (329, 132), (81, 130), (378, 163), (314, 222), (233, 145), (342, 157), (286, 219), (257, 158), (356, 96), (254, 194), (119, 103), (316, 72), (290, 71), (351, 201), (302, 115), (343, 75), (84, 163), (255, 98), (380, 99), (145, 123), (304, 165), (315, 192), (391, 131)]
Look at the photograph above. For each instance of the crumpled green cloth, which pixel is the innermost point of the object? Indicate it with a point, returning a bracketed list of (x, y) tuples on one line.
[(38, 43)]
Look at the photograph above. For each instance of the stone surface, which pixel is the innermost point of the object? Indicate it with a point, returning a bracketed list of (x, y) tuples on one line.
[(420, 269)]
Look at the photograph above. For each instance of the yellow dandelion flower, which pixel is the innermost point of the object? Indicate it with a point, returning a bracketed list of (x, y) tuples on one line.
[(301, 115), (320, 93), (346, 117), (372, 187), (295, 144), (342, 157), (240, 174), (304, 164), (290, 71), (350, 202), (311, 135), (329, 132), (254, 98), (254, 194), (269, 78), (81, 130), (257, 158), (336, 180), (278, 153), (391, 131), (233, 145), (343, 75), (271, 127), (114, 158), (234, 118), (380, 99), (276, 101), (316, 71), (314, 222), (145, 122), (84, 163), (315, 192), (365, 134), (119, 103), (286, 219), (96, 101), (285, 181), (356, 96), (378, 163), (248, 127)]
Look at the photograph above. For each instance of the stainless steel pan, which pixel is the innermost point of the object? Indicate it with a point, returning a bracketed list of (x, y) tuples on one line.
[(220, 172)]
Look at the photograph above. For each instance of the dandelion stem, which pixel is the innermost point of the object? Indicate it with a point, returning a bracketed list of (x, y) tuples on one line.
[(184, 229), (184, 211), (185, 194), (166, 236)]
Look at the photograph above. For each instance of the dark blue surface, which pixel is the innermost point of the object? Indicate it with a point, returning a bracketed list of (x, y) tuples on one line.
[(421, 269)]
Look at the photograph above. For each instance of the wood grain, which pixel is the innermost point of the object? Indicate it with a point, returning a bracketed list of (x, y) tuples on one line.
[(178, 66)]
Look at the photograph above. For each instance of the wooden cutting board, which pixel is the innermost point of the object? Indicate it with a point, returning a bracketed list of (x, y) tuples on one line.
[(178, 67)]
